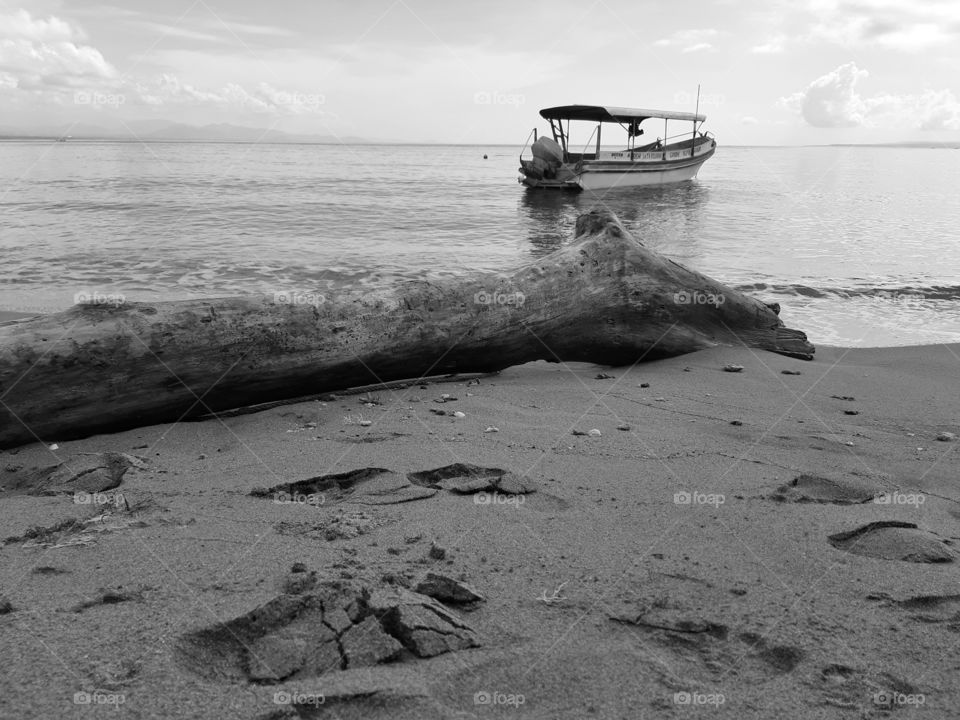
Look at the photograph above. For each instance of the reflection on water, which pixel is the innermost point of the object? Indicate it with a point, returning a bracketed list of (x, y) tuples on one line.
[(666, 217), (548, 216)]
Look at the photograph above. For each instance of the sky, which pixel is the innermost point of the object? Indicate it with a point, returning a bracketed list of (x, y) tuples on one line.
[(770, 72)]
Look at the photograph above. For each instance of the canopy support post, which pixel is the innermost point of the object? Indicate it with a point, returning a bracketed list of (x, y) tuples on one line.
[(693, 139)]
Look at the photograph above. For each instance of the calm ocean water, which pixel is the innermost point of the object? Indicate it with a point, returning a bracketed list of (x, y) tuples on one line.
[(859, 245)]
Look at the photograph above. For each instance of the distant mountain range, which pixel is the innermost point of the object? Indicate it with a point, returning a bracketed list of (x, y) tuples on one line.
[(164, 131), (931, 144)]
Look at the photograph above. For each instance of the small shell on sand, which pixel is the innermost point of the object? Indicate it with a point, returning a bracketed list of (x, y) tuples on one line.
[(733, 368), (946, 437), (459, 414), (594, 433)]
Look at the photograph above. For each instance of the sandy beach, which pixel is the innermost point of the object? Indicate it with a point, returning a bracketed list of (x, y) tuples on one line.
[(666, 540), (479, 361)]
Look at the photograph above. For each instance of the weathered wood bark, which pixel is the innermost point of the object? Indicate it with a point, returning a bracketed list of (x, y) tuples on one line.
[(603, 299)]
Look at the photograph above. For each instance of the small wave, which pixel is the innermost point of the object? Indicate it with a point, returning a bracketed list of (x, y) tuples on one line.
[(795, 290), (916, 292)]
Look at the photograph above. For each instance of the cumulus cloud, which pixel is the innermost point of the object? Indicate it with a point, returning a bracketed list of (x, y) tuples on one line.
[(22, 25), (832, 101), (42, 54)]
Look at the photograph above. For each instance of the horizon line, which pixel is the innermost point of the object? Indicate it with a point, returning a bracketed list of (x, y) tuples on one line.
[(918, 144)]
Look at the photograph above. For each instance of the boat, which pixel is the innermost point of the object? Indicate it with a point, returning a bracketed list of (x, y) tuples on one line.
[(668, 159)]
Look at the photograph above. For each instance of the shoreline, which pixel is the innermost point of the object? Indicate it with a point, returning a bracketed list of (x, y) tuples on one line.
[(697, 555)]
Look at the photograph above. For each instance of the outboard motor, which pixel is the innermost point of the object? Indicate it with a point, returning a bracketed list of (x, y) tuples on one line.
[(547, 156)]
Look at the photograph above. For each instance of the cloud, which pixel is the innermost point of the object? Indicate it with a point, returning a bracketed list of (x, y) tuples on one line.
[(167, 90), (46, 59), (832, 101), (209, 30), (930, 110), (22, 26), (892, 24), (250, 29), (689, 40), (165, 30), (40, 55), (773, 45)]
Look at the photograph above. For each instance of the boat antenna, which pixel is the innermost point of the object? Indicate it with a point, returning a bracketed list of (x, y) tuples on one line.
[(693, 139)]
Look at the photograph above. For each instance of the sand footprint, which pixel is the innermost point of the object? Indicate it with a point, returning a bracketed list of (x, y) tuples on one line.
[(894, 540), (815, 489)]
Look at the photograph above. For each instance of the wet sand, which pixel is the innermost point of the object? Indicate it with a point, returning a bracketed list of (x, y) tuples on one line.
[(730, 545), (8, 315)]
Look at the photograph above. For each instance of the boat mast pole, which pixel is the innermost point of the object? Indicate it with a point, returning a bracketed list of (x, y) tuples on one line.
[(693, 138)]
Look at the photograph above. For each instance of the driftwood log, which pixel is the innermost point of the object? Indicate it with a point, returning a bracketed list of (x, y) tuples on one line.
[(604, 299)]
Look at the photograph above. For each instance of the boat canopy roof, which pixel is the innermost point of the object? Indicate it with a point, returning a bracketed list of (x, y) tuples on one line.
[(598, 113)]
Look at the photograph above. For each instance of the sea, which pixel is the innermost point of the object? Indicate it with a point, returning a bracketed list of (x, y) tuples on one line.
[(859, 245)]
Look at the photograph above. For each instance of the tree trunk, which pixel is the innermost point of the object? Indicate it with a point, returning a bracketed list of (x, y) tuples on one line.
[(603, 299)]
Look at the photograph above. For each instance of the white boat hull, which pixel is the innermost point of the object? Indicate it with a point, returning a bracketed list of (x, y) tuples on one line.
[(604, 180)]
